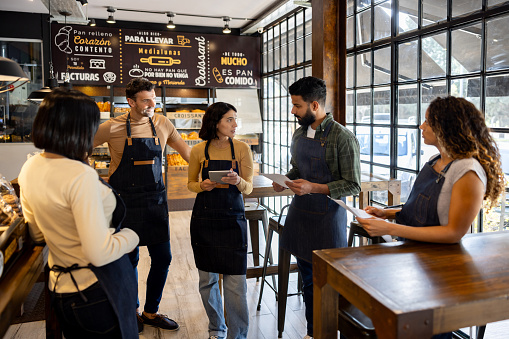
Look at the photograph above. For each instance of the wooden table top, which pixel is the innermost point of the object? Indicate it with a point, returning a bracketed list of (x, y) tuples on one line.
[(410, 288)]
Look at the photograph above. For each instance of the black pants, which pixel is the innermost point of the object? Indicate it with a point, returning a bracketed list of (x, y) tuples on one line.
[(93, 318)]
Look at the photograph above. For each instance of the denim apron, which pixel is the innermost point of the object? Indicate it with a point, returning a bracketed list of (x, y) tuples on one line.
[(218, 223), (421, 207), (420, 210), (117, 279), (139, 181), (314, 221)]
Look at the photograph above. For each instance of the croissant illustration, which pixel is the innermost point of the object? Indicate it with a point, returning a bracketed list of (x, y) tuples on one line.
[(62, 39)]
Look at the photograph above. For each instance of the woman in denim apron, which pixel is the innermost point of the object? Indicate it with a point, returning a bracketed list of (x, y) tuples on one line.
[(66, 207), (449, 190), (218, 222), (116, 280)]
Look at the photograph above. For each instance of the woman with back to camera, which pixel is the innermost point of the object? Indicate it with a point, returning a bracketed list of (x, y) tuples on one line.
[(454, 183), (93, 287), (218, 222)]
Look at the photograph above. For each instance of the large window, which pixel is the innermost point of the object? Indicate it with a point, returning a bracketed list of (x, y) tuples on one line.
[(286, 57), (401, 54)]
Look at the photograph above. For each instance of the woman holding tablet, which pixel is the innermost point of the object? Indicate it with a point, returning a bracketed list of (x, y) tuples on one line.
[(218, 223)]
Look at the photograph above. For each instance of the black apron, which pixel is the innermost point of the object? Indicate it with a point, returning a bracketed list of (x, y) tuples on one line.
[(420, 210), (421, 207), (218, 223), (314, 221), (139, 181), (117, 279)]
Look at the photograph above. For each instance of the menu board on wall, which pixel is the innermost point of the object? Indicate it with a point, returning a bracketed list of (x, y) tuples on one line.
[(114, 56)]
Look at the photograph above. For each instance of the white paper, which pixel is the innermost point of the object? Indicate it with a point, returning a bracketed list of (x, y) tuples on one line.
[(277, 178), (360, 214), (355, 211), (387, 238)]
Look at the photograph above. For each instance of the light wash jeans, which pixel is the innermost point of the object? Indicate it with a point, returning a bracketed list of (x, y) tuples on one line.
[(235, 300)]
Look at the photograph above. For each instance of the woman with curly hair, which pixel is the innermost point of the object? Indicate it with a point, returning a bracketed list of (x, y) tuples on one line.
[(451, 187)]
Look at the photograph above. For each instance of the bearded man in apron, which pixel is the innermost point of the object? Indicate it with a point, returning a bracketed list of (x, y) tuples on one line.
[(325, 164), (136, 143)]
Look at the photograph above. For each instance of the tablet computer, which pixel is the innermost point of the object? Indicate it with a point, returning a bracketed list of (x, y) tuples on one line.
[(217, 175)]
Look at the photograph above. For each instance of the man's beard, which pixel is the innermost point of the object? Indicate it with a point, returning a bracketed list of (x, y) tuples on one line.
[(148, 112), (307, 119)]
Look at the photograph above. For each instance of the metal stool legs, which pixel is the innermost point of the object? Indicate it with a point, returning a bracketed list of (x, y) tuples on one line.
[(255, 213), (283, 274), (268, 256), (480, 332)]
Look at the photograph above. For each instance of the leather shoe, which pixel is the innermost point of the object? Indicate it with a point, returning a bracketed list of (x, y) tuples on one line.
[(140, 322), (161, 321)]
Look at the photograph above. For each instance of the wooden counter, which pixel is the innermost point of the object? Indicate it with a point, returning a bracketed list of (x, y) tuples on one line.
[(17, 283)]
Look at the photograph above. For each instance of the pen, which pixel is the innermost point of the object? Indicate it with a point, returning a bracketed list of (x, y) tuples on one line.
[(393, 206)]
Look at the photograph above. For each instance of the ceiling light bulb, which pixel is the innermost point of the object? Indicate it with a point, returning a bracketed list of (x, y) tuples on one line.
[(226, 28), (92, 23), (83, 2), (111, 19), (170, 16)]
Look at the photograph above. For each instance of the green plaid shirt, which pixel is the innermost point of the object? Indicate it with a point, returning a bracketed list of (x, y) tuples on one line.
[(342, 155)]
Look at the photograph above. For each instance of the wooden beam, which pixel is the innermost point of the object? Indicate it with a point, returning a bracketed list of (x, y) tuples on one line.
[(329, 53)]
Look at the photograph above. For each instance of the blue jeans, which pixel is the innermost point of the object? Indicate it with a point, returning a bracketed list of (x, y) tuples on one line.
[(160, 259), (235, 300), (81, 319)]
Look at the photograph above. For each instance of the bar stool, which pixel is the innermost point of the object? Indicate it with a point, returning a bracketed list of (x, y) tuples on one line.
[(255, 213), (356, 230), (352, 323), (276, 224)]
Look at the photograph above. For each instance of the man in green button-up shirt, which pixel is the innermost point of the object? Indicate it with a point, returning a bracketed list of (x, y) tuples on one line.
[(325, 164)]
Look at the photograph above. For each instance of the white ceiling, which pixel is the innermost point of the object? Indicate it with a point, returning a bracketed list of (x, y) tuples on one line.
[(243, 12)]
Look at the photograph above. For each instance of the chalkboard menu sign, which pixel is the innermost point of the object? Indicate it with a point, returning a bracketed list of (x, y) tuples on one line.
[(114, 56)]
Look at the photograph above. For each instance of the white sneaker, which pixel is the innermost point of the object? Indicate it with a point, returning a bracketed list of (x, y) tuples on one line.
[(307, 337)]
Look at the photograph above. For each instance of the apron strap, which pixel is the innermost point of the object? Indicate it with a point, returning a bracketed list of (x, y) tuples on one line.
[(128, 130), (326, 131), (61, 269), (207, 157), (323, 138), (120, 206), (444, 170)]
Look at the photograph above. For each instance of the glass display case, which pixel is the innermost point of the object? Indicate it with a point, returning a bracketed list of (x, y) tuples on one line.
[(16, 112)]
